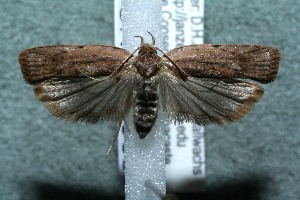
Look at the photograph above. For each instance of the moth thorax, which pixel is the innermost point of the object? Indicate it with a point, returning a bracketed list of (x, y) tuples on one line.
[(147, 64), (145, 107)]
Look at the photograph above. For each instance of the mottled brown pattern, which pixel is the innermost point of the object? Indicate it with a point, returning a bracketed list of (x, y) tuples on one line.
[(259, 63), (70, 61)]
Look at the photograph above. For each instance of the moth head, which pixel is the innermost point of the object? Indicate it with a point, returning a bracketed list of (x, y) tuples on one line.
[(146, 48)]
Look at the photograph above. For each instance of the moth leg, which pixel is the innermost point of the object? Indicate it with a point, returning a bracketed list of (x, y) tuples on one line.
[(126, 124), (115, 138)]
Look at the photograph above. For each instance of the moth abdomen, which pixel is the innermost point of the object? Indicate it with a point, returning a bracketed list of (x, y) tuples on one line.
[(145, 108)]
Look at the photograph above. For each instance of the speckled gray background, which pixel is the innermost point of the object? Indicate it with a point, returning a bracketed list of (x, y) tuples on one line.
[(43, 158)]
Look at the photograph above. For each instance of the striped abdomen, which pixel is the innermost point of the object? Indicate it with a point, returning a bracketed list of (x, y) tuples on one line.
[(145, 107)]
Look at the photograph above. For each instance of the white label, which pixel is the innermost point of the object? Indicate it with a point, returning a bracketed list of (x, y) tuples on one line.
[(118, 23), (183, 24), (185, 157)]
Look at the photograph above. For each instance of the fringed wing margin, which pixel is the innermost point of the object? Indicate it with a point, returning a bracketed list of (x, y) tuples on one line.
[(86, 99), (205, 100)]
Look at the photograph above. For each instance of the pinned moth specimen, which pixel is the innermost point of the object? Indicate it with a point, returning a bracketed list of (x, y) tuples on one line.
[(201, 83)]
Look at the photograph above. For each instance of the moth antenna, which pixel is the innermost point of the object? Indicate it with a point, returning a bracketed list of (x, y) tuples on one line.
[(124, 62), (142, 39), (115, 138), (182, 74), (153, 39)]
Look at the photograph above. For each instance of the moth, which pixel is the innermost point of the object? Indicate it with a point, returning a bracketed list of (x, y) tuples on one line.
[(200, 83)]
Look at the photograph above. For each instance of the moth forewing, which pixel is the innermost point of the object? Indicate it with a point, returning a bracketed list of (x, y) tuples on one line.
[(259, 63), (70, 61)]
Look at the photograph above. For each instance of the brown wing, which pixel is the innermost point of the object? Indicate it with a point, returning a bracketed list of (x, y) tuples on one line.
[(87, 99), (205, 100), (70, 61), (259, 63)]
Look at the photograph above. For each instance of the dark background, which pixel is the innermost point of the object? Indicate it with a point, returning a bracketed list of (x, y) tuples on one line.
[(44, 158)]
